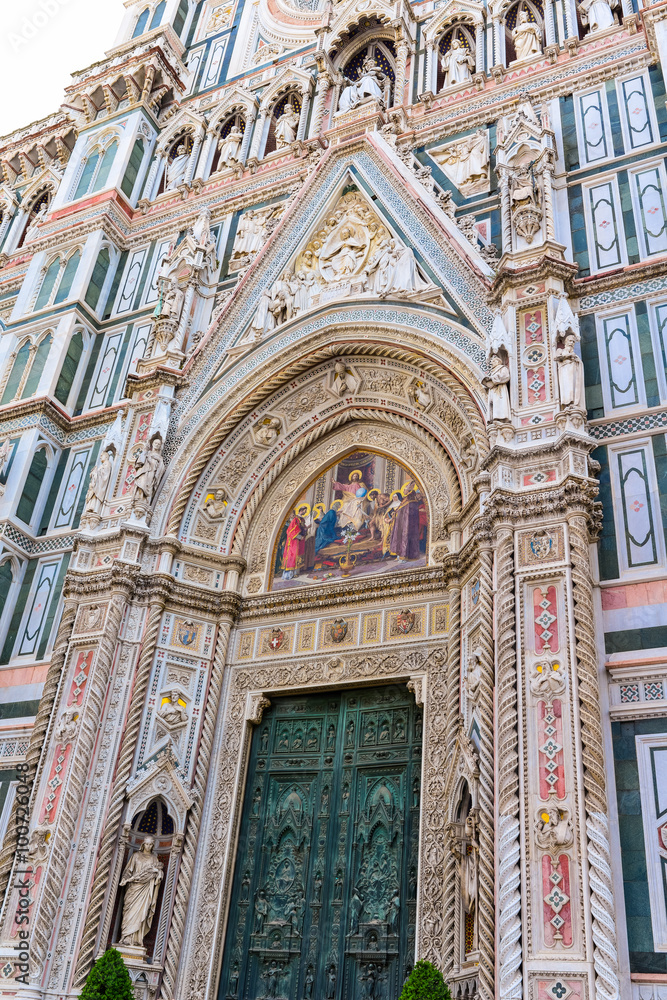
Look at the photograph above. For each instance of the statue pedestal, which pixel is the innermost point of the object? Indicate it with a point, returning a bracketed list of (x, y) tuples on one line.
[(145, 978), (170, 359)]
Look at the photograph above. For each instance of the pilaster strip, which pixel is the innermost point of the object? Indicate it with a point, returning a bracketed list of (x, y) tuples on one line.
[(605, 955), (510, 982), (117, 800), (184, 884), (452, 709), (39, 745), (61, 840), (487, 902)]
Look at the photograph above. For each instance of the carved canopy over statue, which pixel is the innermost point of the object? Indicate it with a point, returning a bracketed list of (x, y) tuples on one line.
[(369, 84)]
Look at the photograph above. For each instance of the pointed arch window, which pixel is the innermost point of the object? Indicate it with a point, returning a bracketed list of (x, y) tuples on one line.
[(98, 277), (158, 14), (279, 108), (96, 169), (40, 202), (48, 284), (86, 179), (6, 580), (65, 286), (104, 169), (37, 367), (142, 21), (69, 368), (133, 167), (16, 375), (32, 487)]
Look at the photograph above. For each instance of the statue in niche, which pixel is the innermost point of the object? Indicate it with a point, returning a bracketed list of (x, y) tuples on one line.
[(474, 675), (170, 304), (201, 231), (527, 37), (261, 911), (286, 126), (356, 908), (272, 976), (234, 979), (178, 168), (142, 877), (99, 484), (331, 982), (467, 864), (250, 234), (31, 230), (497, 383), (570, 374), (172, 712), (5, 452), (598, 14), (230, 147), (525, 201), (457, 64), (309, 983), (369, 84), (393, 913), (149, 469), (343, 380)]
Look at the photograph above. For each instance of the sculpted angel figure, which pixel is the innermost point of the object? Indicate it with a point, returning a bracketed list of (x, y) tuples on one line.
[(150, 468), (457, 64), (142, 877), (527, 37)]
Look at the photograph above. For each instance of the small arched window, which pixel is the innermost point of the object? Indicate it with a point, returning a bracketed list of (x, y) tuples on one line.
[(6, 580), (48, 284), (69, 368), (32, 487), (16, 374), (98, 277), (86, 179), (37, 367), (65, 286), (104, 169), (158, 13), (133, 167), (142, 21)]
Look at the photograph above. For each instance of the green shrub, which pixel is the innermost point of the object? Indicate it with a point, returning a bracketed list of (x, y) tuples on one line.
[(425, 982), (108, 979)]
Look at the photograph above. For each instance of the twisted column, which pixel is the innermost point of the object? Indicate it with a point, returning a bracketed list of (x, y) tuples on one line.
[(175, 940), (605, 956), (53, 876), (258, 134), (38, 742), (117, 798), (452, 708), (428, 69), (322, 89), (486, 891), (401, 63), (510, 981)]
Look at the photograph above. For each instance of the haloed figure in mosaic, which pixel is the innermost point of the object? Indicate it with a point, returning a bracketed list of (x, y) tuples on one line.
[(366, 513)]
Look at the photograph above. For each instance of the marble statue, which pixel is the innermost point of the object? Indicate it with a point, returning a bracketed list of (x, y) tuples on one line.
[(150, 468), (474, 675), (177, 169), (598, 14), (498, 385), (466, 162), (268, 430), (99, 484), (553, 830), (230, 147), (369, 84), (172, 712), (142, 876), (286, 126), (457, 64), (170, 303), (250, 234), (570, 374), (31, 231), (5, 452), (201, 231), (216, 505), (406, 277), (527, 37)]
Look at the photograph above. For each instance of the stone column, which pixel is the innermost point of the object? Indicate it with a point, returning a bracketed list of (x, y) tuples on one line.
[(570, 27), (429, 81), (603, 917), (128, 748), (452, 709), (303, 117), (550, 28), (258, 134), (510, 981), (209, 143), (75, 776), (487, 889), (497, 47), (247, 135), (184, 884), (36, 754), (548, 203), (321, 91), (479, 48), (194, 155), (159, 160), (505, 212), (401, 63)]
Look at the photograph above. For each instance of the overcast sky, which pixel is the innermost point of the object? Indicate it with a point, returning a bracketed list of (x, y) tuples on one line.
[(41, 43)]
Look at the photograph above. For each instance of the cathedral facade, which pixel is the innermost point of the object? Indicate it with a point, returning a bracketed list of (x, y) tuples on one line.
[(333, 503)]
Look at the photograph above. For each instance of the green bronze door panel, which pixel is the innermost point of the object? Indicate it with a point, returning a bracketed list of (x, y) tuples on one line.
[(324, 894)]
